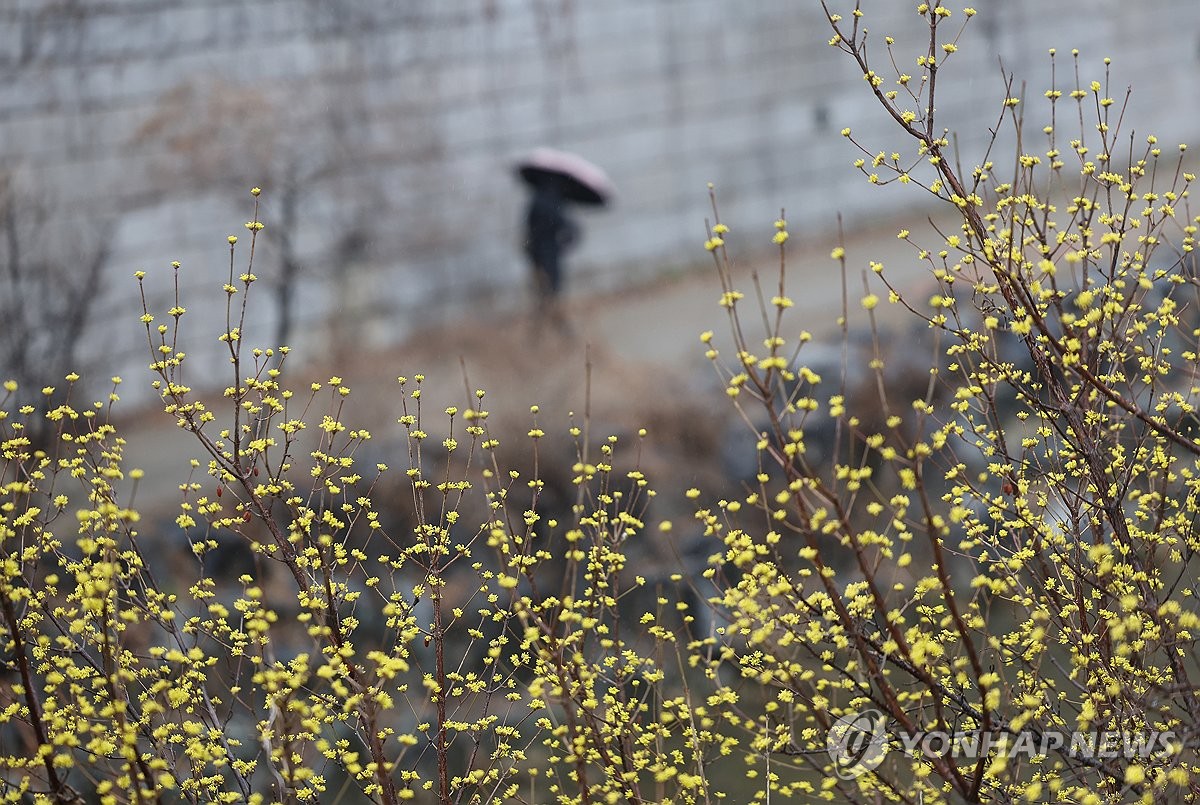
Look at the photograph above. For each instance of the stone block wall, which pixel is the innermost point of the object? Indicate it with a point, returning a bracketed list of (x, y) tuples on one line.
[(386, 130)]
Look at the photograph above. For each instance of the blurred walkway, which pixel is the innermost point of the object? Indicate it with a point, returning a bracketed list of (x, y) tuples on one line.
[(647, 363), (662, 323)]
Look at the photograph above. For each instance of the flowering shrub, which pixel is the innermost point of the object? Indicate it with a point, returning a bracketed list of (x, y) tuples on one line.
[(438, 660), (1009, 558), (1023, 535)]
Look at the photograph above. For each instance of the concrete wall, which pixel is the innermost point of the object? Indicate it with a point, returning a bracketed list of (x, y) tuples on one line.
[(389, 127)]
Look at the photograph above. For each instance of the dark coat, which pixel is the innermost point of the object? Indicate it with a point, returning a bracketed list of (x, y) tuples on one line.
[(549, 234)]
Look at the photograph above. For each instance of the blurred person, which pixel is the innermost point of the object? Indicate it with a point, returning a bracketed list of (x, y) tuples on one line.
[(549, 234), (556, 178)]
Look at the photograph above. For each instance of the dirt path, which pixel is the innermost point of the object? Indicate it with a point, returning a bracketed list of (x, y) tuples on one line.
[(662, 323), (642, 344)]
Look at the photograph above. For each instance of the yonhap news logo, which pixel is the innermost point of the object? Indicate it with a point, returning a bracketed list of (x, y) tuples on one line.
[(858, 742)]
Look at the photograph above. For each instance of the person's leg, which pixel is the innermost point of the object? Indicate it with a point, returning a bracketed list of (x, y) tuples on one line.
[(548, 279), (554, 310), (542, 295)]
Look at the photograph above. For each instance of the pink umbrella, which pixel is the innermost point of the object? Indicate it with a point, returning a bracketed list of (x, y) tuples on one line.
[(577, 178)]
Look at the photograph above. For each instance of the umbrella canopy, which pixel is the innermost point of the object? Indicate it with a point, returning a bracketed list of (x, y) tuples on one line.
[(576, 178)]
